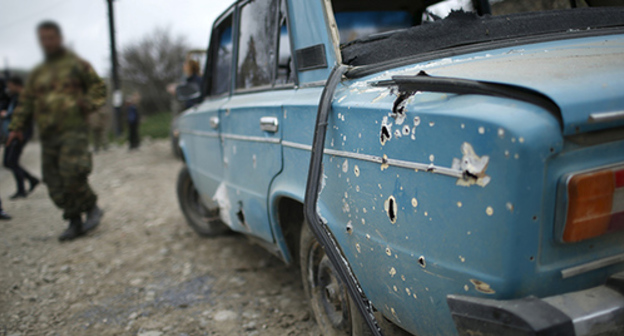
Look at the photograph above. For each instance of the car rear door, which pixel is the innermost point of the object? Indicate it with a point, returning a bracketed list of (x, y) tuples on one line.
[(251, 120)]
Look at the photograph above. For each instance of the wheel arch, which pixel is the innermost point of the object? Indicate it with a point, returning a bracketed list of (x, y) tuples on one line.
[(287, 218)]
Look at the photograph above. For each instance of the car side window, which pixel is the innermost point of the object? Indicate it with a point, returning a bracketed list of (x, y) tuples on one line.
[(222, 64), (285, 72), (256, 44)]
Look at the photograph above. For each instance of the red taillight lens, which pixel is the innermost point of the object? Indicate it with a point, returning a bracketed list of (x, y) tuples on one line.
[(595, 204)]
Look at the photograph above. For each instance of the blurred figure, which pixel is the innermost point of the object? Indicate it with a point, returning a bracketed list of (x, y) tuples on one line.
[(3, 214), (13, 151), (98, 122), (134, 120), (60, 94), (191, 71)]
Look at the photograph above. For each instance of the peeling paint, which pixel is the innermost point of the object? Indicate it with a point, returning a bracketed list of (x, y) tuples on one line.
[(521, 140), (466, 288), (431, 124), (254, 161), (395, 288), (358, 248), (459, 204), (472, 167), (392, 272), (489, 211), (509, 206), (416, 121), (384, 163), (501, 133), (431, 158), (223, 201), (356, 171), (368, 236), (407, 290), (462, 259), (414, 202), (481, 130), (482, 287)]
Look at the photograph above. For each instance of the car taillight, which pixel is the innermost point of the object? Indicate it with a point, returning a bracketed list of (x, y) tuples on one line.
[(595, 204)]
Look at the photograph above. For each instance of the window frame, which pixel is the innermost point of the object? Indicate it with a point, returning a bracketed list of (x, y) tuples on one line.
[(272, 85), (211, 56)]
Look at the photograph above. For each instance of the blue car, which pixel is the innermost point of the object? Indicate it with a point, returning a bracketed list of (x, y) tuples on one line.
[(433, 167)]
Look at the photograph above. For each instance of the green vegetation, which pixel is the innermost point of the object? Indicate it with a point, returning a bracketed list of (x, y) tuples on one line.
[(156, 126)]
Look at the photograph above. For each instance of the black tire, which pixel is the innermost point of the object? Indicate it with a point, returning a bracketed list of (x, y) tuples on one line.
[(205, 222), (334, 311)]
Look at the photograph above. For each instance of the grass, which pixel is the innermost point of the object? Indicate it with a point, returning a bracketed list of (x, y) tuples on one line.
[(156, 126)]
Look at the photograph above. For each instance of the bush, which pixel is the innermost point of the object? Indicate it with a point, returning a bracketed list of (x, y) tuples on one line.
[(156, 126)]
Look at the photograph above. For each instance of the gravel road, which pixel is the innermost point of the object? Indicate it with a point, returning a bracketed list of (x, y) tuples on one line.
[(143, 271)]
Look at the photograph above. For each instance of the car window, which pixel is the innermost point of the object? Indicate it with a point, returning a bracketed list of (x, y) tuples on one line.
[(443, 9), (222, 66), (355, 25), (256, 44), (285, 67)]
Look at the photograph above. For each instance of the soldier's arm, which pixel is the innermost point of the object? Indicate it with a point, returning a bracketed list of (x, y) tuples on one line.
[(25, 106), (96, 88)]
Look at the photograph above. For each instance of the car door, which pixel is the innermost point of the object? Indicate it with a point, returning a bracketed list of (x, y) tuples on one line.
[(252, 118), (201, 128)]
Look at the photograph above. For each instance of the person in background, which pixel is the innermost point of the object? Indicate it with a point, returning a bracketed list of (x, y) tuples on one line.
[(97, 123), (13, 151), (133, 121), (60, 94), (193, 77)]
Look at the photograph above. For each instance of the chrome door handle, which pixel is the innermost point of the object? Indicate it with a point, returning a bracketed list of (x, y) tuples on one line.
[(214, 122), (269, 124)]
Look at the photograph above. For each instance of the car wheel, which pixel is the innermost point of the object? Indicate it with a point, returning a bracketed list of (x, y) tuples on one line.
[(205, 222), (333, 309)]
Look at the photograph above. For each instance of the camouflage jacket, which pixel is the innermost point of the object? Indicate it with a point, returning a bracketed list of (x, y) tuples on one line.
[(60, 94)]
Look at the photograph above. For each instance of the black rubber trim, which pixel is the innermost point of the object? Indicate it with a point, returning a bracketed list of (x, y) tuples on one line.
[(366, 70), (424, 82), (528, 316), (317, 226)]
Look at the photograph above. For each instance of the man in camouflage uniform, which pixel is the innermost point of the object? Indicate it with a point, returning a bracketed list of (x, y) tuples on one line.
[(60, 94)]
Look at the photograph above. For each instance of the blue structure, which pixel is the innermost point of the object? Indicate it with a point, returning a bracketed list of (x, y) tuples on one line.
[(432, 195)]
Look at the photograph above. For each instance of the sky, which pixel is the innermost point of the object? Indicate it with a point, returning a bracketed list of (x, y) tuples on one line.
[(85, 26)]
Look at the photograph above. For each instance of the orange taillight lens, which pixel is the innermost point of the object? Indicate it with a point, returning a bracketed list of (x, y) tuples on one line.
[(595, 204)]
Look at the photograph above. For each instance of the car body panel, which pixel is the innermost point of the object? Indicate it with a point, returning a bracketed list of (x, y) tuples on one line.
[(491, 237)]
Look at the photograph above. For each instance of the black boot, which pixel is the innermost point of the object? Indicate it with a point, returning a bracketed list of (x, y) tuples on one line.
[(4, 215), (34, 182), (74, 230), (18, 195), (94, 217)]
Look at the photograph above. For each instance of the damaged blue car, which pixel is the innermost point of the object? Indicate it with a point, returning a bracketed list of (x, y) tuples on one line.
[(433, 167)]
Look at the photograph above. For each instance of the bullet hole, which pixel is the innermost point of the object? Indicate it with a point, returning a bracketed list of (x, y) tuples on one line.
[(431, 124), (406, 130), (384, 164), (391, 209), (397, 134), (367, 236), (356, 170), (531, 258), (388, 251), (349, 228), (416, 121), (489, 211), (534, 218), (421, 261), (385, 134), (482, 286), (240, 214), (414, 202)]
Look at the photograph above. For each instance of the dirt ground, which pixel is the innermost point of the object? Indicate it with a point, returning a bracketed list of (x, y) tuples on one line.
[(143, 271)]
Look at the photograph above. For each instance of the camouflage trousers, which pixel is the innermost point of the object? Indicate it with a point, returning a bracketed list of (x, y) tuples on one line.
[(66, 165)]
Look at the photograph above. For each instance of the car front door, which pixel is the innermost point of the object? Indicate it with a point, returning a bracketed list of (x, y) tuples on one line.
[(251, 121), (201, 127)]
